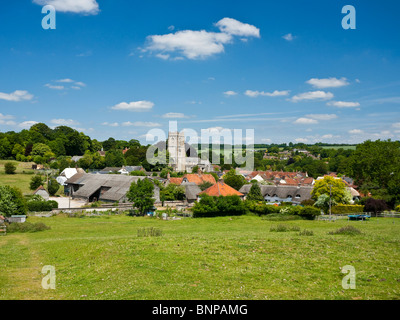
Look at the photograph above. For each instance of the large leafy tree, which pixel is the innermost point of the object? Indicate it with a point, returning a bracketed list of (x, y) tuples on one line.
[(12, 201), (255, 193), (234, 180), (330, 185), (141, 194)]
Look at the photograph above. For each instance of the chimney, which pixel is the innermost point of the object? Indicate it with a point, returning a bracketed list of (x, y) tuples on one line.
[(168, 175)]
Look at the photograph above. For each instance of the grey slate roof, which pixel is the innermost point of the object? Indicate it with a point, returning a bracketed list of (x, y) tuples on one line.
[(281, 191), (118, 185), (191, 190)]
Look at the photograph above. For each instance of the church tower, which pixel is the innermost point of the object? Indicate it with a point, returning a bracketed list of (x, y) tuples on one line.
[(176, 149)]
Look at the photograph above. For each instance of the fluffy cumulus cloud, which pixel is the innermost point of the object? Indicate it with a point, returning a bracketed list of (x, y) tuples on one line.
[(288, 37), (230, 93), (343, 104), (89, 7), (322, 116), (305, 121), (135, 106), (276, 93), (7, 120), (112, 124), (17, 95), (237, 28), (202, 44), (312, 95), (328, 83), (27, 124), (64, 122)]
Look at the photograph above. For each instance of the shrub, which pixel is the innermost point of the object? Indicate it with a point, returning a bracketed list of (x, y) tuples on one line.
[(309, 213), (283, 228), (53, 187), (27, 227), (12, 202), (281, 217), (347, 208), (39, 206), (149, 232), (308, 202), (306, 232), (375, 205), (348, 230), (9, 168), (398, 208), (36, 182), (219, 206)]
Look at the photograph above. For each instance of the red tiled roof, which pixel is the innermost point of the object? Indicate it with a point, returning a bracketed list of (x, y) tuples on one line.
[(221, 189), (200, 178), (177, 181)]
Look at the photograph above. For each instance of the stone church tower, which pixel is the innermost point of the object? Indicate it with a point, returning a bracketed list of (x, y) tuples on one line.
[(177, 152)]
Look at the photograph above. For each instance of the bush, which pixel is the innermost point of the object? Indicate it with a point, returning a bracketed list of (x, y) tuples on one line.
[(398, 208), (39, 206), (347, 208), (306, 232), (36, 182), (53, 187), (375, 205), (260, 208), (12, 202), (27, 227), (348, 230), (281, 217), (219, 206), (283, 228), (308, 202), (9, 168), (309, 213), (149, 232)]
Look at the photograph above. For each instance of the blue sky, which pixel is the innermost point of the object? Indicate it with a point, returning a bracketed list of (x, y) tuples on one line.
[(286, 69)]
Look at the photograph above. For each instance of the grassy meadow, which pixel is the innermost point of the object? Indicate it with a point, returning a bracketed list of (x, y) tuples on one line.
[(20, 179), (212, 258)]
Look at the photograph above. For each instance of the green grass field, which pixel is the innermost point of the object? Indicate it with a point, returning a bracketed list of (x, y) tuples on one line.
[(20, 179), (340, 147), (215, 258)]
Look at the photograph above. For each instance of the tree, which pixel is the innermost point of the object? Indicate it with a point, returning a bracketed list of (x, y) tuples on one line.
[(330, 185), (375, 205), (36, 182), (234, 180), (40, 149), (205, 185), (115, 158), (173, 192), (9, 168), (255, 193), (323, 202), (141, 194), (53, 187), (12, 201)]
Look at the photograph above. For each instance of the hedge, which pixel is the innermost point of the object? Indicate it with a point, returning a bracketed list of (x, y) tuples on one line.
[(218, 206), (347, 208), (39, 206)]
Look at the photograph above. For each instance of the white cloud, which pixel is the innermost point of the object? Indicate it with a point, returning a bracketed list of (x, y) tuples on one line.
[(301, 140), (50, 86), (141, 124), (312, 95), (356, 131), (114, 124), (276, 93), (65, 80), (64, 122), (174, 115), (6, 117), (199, 44), (322, 116), (328, 83), (78, 83), (136, 106), (266, 140), (343, 104), (305, 121), (327, 136), (230, 93), (6, 120), (17, 95), (76, 88), (288, 37), (237, 28), (396, 125), (27, 124), (74, 6), (171, 28)]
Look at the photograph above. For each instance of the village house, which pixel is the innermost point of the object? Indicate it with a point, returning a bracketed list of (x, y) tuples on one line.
[(107, 188), (221, 189), (197, 178), (41, 191), (280, 193)]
